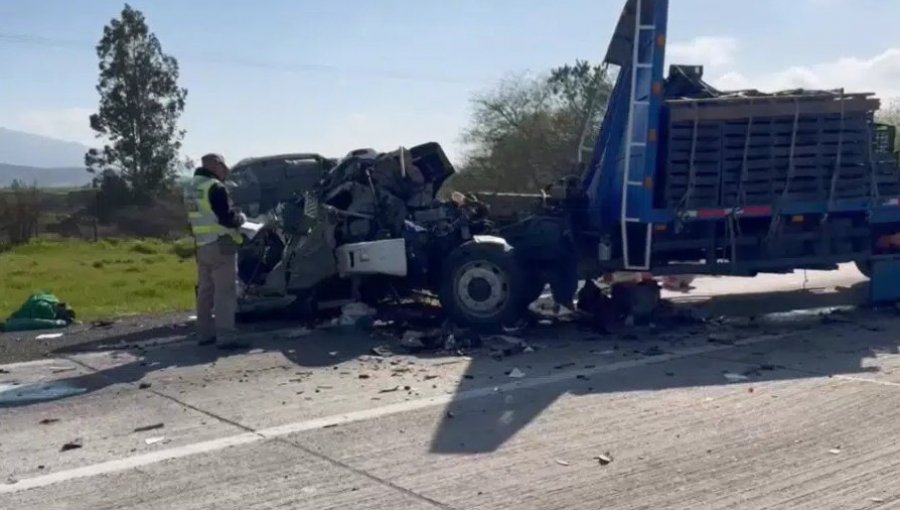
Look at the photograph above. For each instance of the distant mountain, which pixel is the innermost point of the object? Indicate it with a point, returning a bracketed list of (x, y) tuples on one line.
[(63, 177), (33, 158), (26, 149)]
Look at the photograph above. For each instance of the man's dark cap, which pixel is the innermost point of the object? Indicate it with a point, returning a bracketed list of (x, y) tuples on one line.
[(213, 158)]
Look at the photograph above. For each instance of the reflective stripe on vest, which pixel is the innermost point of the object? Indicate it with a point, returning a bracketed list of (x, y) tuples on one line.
[(205, 225)]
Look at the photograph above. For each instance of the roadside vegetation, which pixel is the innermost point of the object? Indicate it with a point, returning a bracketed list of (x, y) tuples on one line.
[(102, 279)]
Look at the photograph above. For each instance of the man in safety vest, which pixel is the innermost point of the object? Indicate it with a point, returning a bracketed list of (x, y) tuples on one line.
[(214, 226)]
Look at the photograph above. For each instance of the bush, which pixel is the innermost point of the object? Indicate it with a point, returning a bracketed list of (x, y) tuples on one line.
[(144, 248), (184, 248)]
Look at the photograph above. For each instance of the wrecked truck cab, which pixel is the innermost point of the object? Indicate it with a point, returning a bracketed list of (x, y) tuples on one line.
[(373, 230), (258, 185)]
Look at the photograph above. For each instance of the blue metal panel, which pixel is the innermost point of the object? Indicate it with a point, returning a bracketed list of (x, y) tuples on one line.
[(884, 282), (603, 180)]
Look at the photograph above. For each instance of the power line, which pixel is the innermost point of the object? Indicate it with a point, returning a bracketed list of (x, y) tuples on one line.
[(361, 73)]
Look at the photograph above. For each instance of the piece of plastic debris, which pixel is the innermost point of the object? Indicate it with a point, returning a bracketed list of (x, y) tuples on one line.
[(604, 459), (735, 377), (72, 445), (381, 350), (48, 421), (37, 392), (877, 500), (562, 462), (145, 428), (154, 440), (48, 336), (515, 373), (353, 314), (835, 451), (333, 353), (412, 340), (390, 390)]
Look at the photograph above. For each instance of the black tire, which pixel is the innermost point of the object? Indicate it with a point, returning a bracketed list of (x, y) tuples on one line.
[(483, 286)]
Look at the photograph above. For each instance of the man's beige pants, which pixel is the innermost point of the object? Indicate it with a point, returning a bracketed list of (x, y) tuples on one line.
[(217, 288)]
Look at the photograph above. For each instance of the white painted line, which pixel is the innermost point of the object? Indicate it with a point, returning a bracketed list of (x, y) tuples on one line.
[(115, 466), (865, 380)]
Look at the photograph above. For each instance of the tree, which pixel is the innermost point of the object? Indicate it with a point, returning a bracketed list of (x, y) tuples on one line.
[(890, 114), (140, 104), (528, 132), (20, 212)]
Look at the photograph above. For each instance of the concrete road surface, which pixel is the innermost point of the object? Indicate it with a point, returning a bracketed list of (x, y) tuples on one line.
[(798, 410)]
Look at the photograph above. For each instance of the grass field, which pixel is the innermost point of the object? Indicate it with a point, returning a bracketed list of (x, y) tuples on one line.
[(100, 280)]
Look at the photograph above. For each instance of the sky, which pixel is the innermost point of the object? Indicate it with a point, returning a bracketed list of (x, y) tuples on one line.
[(278, 76)]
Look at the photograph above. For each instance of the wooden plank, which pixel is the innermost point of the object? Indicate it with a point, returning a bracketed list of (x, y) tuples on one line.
[(723, 111)]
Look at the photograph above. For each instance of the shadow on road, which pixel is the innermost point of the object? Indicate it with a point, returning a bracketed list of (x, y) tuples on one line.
[(478, 425)]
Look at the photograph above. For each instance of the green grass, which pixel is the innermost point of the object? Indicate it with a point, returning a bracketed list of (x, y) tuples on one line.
[(100, 280)]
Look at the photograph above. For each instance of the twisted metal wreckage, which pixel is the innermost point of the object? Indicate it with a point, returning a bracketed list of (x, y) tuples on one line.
[(370, 228)]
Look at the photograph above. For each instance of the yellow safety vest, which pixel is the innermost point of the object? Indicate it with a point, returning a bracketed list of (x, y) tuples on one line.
[(205, 226)]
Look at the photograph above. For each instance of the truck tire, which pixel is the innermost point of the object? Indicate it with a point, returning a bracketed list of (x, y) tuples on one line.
[(864, 267), (483, 286)]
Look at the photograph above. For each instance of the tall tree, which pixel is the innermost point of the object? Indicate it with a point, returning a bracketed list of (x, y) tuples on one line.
[(140, 103), (528, 131), (890, 114)]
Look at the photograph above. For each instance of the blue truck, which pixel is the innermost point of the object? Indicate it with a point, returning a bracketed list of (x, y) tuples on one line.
[(684, 179), (687, 179)]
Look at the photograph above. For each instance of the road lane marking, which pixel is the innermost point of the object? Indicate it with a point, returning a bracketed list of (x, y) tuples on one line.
[(145, 459)]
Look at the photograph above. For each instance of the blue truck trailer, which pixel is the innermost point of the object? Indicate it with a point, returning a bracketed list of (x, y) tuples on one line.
[(687, 179)]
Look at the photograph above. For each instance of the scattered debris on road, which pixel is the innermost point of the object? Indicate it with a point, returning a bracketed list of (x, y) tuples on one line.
[(390, 390), (48, 336), (604, 459), (412, 340), (146, 428), (72, 445), (48, 421), (144, 386), (515, 373), (835, 451), (382, 350), (562, 462), (154, 440)]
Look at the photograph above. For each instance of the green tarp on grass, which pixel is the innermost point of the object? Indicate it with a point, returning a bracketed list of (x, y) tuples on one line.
[(40, 311)]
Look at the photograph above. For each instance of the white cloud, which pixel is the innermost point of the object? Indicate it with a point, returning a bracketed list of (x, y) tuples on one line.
[(708, 51), (70, 124), (879, 74)]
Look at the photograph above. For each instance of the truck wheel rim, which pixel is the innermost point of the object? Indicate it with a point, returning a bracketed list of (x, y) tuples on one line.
[(482, 288)]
